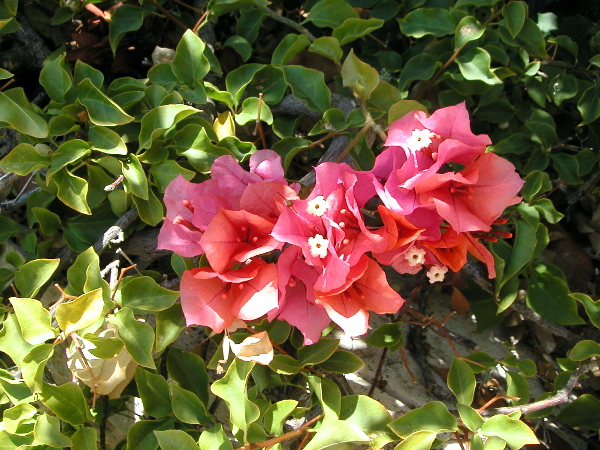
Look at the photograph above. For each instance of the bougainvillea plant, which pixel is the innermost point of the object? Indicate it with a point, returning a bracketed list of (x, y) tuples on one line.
[(432, 195)]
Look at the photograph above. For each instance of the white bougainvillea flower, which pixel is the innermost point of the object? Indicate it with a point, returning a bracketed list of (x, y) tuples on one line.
[(317, 206), (419, 139), (436, 273), (415, 256), (318, 246)]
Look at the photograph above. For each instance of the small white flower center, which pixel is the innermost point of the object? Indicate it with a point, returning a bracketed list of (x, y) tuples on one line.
[(419, 139), (415, 256), (318, 246), (436, 273), (317, 206)]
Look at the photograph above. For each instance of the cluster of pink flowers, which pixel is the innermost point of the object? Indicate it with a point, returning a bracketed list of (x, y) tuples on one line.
[(433, 193)]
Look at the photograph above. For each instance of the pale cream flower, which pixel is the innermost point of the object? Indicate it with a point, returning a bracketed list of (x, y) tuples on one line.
[(415, 256), (317, 206), (318, 246), (436, 273), (419, 139)]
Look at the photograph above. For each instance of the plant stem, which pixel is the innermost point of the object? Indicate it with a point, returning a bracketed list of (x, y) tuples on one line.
[(284, 437)]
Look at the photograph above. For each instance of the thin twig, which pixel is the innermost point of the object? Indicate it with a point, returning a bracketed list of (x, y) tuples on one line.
[(282, 438), (169, 15), (289, 23), (559, 398), (378, 372)]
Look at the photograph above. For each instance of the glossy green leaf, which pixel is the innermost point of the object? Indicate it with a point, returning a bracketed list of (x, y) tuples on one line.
[(187, 407), (369, 416), (151, 211), (72, 191), (475, 65), (468, 29), (588, 105), (237, 80), (422, 21), (154, 392), (433, 416), (12, 342), (470, 417), (309, 86), (15, 111), (135, 177), (66, 401), (144, 293), (419, 67), (240, 45), (215, 439), (84, 439), (18, 419), (67, 153), (317, 352), (106, 348), (515, 14), (47, 431), (175, 440), (141, 434), (80, 313), (360, 75), (35, 321), (522, 250), (250, 112), (461, 381), (549, 296), (101, 109), (285, 365), (189, 372), (386, 335), (333, 432), (419, 440), (169, 324), (288, 47), (584, 350), (527, 367), (49, 221), (330, 13), (517, 386), (276, 414), (189, 64), (56, 79), (105, 140), (514, 432), (156, 122), (327, 393), (232, 388), (289, 147), (342, 361), (354, 28), (592, 308), (124, 19), (328, 47), (31, 276), (583, 412), (137, 336), (24, 159)]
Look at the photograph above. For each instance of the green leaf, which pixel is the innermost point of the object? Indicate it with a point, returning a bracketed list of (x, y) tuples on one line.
[(232, 388), (18, 419), (419, 67), (342, 361), (80, 313), (101, 109), (124, 19), (527, 367), (141, 434), (105, 140), (470, 417), (47, 431), (84, 439), (333, 432), (12, 342), (309, 86), (533, 39), (66, 401), (549, 296), (219, 7), (330, 13), (422, 21), (468, 29), (144, 293), (433, 416), (49, 221), (461, 381), (72, 191), (567, 167), (189, 372), (584, 350), (288, 47), (56, 79), (517, 386), (69, 152), (169, 324), (31, 276), (317, 352), (386, 335), (514, 432), (175, 440), (83, 71), (215, 439), (187, 407), (515, 14), (327, 393), (369, 416), (151, 211), (15, 111), (276, 414), (592, 308), (588, 105), (237, 80), (288, 147), (154, 392), (240, 45), (135, 177), (583, 412), (285, 365), (35, 321), (189, 64), (522, 251), (354, 28), (419, 440), (475, 65), (137, 336), (250, 111), (359, 74), (156, 122), (106, 348), (328, 47), (24, 159)]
